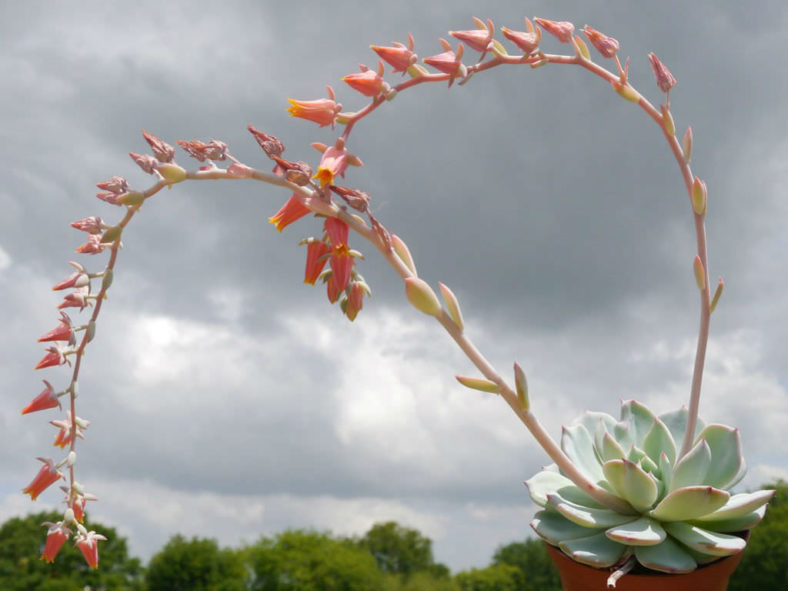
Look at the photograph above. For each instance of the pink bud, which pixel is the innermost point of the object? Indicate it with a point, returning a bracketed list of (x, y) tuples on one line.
[(398, 56), (291, 211), (145, 161), (526, 42), (46, 476), (367, 82), (665, 80), (162, 150), (606, 46), (47, 399), (561, 30)]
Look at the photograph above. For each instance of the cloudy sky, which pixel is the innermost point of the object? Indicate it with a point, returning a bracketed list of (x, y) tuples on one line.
[(230, 400)]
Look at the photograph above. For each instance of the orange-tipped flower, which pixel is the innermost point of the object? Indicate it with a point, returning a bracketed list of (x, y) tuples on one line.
[(62, 332), (54, 356), (341, 261), (321, 111), (398, 56), (88, 544), (479, 38), (332, 164), (316, 256), (561, 30), (46, 476), (448, 62), (290, 212), (367, 82), (57, 535), (47, 399)]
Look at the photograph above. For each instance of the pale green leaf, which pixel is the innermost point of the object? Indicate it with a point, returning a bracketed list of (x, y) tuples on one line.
[(631, 483), (704, 541), (554, 528), (688, 503), (726, 454), (598, 550), (667, 557), (691, 469), (586, 516), (659, 440), (640, 532)]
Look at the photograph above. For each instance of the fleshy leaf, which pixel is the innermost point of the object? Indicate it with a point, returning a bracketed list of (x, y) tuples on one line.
[(638, 456), (549, 482), (639, 418), (578, 445), (740, 505), (726, 454), (690, 502), (706, 542), (641, 532), (676, 422), (666, 474), (692, 468), (597, 423), (734, 524), (597, 550), (667, 557), (586, 516), (554, 528), (631, 483), (623, 435), (659, 440), (609, 449)]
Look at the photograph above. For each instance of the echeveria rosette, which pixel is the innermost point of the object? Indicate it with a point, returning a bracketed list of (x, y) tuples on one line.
[(683, 514)]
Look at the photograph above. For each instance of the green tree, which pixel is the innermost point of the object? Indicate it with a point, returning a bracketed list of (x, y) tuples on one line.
[(22, 542), (196, 565), (401, 550), (299, 560), (531, 558), (497, 577), (763, 566)]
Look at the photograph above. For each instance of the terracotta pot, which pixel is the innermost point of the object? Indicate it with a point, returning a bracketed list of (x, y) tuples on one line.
[(579, 577)]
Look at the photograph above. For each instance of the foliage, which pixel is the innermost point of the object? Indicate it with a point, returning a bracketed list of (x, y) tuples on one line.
[(530, 556), (21, 543), (763, 566), (498, 577), (299, 560), (196, 565), (400, 550)]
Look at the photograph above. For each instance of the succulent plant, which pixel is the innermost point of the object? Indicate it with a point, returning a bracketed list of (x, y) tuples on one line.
[(683, 514)]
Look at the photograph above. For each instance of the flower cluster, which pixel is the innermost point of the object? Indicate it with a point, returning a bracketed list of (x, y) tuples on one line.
[(316, 190)]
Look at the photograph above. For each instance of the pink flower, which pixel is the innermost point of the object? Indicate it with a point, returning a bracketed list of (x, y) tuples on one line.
[(64, 435), (53, 357), (163, 151), (665, 79), (527, 42), (367, 82), (355, 301), (561, 30), (92, 246), (47, 399), (88, 544), (398, 56), (290, 212), (606, 46), (316, 255), (77, 279), (62, 332), (341, 261), (46, 476), (77, 299), (322, 111), (479, 38), (333, 163), (116, 185), (57, 535), (92, 225), (448, 62)]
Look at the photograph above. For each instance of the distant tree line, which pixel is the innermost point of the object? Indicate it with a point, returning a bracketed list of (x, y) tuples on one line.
[(389, 557)]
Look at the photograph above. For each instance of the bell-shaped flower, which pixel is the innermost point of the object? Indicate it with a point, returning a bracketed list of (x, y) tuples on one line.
[(527, 42), (62, 332), (57, 534), (398, 55), (665, 80), (606, 46), (355, 300), (87, 542), (449, 62), (77, 299), (367, 82), (65, 435), (92, 246), (317, 253), (46, 476), (291, 211), (76, 280), (341, 259), (322, 111), (54, 356), (561, 30), (333, 163), (479, 38), (47, 399)]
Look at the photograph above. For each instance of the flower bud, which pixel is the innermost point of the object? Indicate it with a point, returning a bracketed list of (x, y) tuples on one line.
[(421, 296)]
